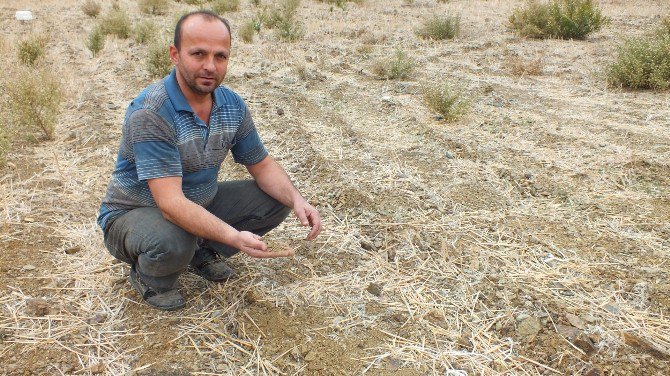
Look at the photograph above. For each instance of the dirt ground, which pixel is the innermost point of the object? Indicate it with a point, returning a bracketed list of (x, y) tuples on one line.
[(529, 237)]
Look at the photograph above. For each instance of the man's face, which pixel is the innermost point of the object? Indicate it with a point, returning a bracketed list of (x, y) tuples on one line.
[(202, 59)]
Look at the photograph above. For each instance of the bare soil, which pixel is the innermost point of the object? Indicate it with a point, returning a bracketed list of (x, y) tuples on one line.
[(532, 236)]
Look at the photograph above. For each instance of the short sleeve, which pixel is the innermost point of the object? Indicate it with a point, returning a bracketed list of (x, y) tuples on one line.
[(154, 147), (248, 148)]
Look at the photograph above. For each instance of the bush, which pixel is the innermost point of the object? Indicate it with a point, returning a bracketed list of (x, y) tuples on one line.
[(438, 28), (282, 18), (91, 8), (144, 31), (223, 6), (35, 97), (31, 49), (562, 19), (247, 31), (446, 101), (157, 7), (116, 23), (95, 41), (398, 68), (158, 60), (642, 63)]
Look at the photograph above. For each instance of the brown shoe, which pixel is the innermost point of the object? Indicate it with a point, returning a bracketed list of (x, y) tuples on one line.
[(167, 300), (211, 266)]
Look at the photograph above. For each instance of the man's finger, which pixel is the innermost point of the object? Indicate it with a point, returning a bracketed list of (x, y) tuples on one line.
[(302, 217), (316, 226), (256, 253)]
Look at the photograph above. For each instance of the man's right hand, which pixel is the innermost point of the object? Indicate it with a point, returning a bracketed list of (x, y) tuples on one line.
[(252, 245)]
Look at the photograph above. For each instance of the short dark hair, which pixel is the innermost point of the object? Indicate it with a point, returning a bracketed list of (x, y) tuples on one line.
[(207, 15)]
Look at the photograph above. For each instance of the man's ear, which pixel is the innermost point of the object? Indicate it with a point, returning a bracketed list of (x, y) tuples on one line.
[(174, 54)]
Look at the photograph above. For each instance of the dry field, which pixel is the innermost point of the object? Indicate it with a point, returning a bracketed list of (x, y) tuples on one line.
[(529, 237)]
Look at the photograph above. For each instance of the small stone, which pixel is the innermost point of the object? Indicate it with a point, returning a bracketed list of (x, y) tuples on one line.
[(439, 117), (566, 331), (11, 165), (28, 267), (529, 327), (644, 345), (374, 289), (448, 155), (98, 318), (97, 368), (366, 245), (390, 254), (28, 219), (310, 356), (575, 321), (611, 308), (280, 111), (72, 250), (589, 318), (37, 307), (584, 343), (386, 99)]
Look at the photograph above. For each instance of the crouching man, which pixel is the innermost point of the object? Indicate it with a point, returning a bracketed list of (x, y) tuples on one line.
[(164, 210)]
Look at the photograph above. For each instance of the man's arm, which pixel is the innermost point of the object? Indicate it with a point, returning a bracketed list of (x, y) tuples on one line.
[(274, 181), (195, 219)]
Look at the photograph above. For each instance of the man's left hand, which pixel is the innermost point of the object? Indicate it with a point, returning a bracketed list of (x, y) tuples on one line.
[(308, 216)]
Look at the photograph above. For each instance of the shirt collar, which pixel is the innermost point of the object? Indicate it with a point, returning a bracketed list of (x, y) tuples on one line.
[(177, 97)]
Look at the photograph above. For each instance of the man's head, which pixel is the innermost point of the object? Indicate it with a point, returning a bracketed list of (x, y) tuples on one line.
[(200, 52)]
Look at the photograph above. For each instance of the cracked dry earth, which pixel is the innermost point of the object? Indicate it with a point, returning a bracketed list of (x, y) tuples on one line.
[(529, 237)]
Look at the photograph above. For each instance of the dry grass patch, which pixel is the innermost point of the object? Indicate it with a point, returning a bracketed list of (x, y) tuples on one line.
[(520, 66), (223, 6), (247, 31), (91, 8), (35, 97), (561, 19), (144, 31)]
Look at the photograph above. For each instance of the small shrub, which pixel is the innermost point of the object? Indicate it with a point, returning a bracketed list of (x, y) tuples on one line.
[(195, 2), (562, 19), (440, 28), (223, 6), (642, 63), (247, 31), (31, 49), (256, 2), (96, 41), (116, 23), (157, 7), (35, 97), (392, 69), (283, 19), (91, 8), (447, 101), (144, 31), (158, 59)]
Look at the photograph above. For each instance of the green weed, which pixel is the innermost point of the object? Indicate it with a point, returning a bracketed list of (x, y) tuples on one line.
[(399, 67), (31, 49), (35, 97), (156, 7), (223, 6), (247, 31), (116, 22), (440, 28), (642, 63), (158, 60), (96, 41), (446, 100), (561, 19), (144, 31)]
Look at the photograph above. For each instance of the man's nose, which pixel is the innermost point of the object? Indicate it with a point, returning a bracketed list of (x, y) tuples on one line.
[(209, 64)]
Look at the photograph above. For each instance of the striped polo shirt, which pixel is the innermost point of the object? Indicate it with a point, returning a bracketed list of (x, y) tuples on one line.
[(162, 136)]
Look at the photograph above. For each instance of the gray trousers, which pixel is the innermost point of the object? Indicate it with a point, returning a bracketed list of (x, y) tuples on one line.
[(161, 250)]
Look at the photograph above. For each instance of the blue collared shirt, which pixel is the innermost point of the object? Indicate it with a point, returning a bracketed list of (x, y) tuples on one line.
[(162, 136)]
